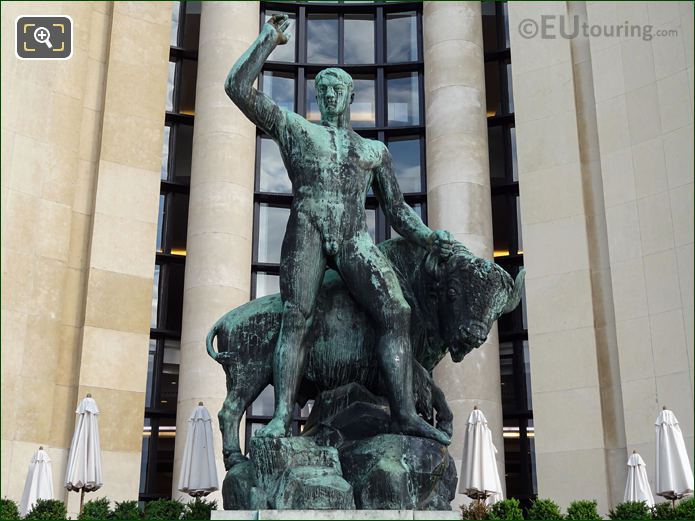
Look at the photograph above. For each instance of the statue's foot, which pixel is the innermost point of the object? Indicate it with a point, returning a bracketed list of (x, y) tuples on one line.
[(416, 426), (275, 429)]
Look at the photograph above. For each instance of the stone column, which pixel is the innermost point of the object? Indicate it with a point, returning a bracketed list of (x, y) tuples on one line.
[(220, 214), (458, 189)]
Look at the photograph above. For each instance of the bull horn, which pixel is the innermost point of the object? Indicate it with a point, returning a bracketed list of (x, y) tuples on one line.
[(433, 266), (515, 295)]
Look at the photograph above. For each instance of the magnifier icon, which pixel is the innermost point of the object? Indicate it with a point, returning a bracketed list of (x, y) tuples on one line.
[(42, 35)]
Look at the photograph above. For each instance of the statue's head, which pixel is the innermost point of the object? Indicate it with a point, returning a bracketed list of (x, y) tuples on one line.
[(334, 92), (471, 293)]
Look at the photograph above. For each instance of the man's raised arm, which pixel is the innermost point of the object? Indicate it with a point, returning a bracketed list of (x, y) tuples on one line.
[(402, 217), (255, 105)]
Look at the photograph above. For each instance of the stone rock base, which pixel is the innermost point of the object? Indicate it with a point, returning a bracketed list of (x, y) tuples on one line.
[(330, 515)]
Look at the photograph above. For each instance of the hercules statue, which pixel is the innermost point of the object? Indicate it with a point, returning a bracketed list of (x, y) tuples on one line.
[(331, 169)]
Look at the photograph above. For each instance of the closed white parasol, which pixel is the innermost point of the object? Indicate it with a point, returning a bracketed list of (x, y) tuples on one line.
[(637, 487), (674, 475), (83, 472), (198, 469), (480, 479), (39, 484)]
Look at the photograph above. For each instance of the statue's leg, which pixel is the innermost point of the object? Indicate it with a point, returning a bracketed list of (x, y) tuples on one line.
[(240, 394), (372, 281), (301, 272)]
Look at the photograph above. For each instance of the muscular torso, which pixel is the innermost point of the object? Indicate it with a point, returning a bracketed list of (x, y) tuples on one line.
[(331, 171)]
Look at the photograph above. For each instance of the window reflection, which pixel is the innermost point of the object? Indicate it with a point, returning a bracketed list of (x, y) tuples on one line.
[(150, 372), (168, 381), (512, 139), (265, 403), (284, 53), (266, 284), (363, 107), (279, 86), (406, 162), (175, 13), (272, 222), (171, 78), (322, 38), (359, 38), (371, 223), (510, 89), (164, 169), (155, 297), (403, 99), (160, 222), (312, 107), (273, 175), (401, 37)]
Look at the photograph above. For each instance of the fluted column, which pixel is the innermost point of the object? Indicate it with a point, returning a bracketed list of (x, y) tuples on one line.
[(458, 189), (220, 214)]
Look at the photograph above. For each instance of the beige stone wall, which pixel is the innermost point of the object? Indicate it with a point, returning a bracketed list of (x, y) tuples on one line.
[(81, 153), (458, 191), (604, 137), (220, 222)]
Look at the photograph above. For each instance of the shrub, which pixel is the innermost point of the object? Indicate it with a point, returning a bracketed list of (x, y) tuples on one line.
[(48, 509), (8, 509), (583, 509), (544, 509), (685, 509), (96, 509), (631, 510), (475, 510), (507, 509), (663, 510), (126, 510), (198, 509), (164, 509)]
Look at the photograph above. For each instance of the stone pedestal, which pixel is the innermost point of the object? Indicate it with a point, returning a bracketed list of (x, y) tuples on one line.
[(329, 515)]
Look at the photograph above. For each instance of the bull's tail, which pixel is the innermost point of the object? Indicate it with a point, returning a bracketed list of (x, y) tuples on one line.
[(208, 341)]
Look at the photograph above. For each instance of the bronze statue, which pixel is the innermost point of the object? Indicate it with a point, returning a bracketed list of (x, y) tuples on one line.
[(331, 169)]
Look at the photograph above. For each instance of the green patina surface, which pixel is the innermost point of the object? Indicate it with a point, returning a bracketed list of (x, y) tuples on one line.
[(349, 312)]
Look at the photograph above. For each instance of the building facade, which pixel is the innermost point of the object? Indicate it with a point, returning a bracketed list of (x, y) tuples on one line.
[(139, 205)]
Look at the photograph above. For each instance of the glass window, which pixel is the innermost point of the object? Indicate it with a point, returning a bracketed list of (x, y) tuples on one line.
[(403, 99), (160, 222), (186, 88), (171, 78), (512, 140), (510, 89), (155, 297), (527, 374), (501, 219), (359, 38), (322, 38), (312, 106), (406, 162), (284, 53), (519, 242), (279, 86), (182, 154), (150, 372), (401, 37), (272, 171), (371, 223), (272, 222), (363, 108), (492, 88), (164, 459), (169, 378), (495, 137), (177, 223), (267, 284), (489, 26), (173, 279), (265, 403), (191, 28), (164, 169)]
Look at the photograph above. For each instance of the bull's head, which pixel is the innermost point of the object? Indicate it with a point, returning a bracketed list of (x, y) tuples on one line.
[(471, 294)]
